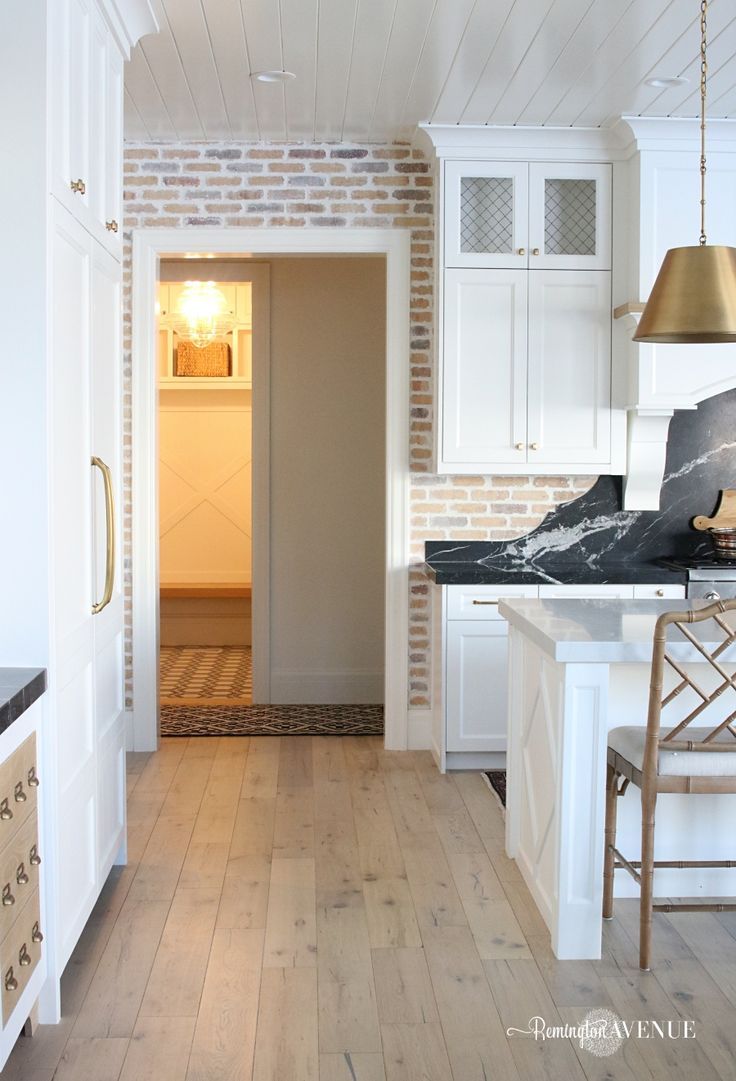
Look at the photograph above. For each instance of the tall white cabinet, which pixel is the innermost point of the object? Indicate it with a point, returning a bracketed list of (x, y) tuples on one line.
[(524, 370), (62, 435)]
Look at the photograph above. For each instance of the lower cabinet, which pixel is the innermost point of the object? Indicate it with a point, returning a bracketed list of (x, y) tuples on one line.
[(472, 652)]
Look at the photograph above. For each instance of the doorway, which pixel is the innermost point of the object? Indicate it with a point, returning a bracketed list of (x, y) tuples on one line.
[(148, 247), (212, 316)]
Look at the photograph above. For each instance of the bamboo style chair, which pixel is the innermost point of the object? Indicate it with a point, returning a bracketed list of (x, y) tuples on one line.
[(683, 759)]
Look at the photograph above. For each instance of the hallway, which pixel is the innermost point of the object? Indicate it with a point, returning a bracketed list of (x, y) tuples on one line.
[(318, 909)]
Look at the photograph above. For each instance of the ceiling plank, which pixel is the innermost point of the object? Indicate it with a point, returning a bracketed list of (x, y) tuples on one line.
[(373, 25), (168, 73), (227, 37), (135, 129), (192, 40), (484, 26), (143, 91), (265, 48), (410, 27), (446, 32), (299, 28), (685, 100), (336, 43)]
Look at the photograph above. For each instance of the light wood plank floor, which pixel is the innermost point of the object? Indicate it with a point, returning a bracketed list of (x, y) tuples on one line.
[(317, 909)]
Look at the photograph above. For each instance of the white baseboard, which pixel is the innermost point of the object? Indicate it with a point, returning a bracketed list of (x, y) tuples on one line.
[(419, 730), (355, 687)]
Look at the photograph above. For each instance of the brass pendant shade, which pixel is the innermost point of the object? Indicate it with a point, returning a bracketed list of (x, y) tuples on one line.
[(693, 299)]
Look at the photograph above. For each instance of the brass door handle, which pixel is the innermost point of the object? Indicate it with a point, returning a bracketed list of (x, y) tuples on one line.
[(111, 226), (535, 251), (534, 446), (519, 446), (110, 527), (521, 251), (78, 186)]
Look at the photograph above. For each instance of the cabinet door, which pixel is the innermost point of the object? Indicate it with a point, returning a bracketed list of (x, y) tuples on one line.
[(112, 215), (589, 592), (106, 444), (486, 214), (477, 657), (484, 369), (70, 47), (569, 216), (72, 561), (569, 411)]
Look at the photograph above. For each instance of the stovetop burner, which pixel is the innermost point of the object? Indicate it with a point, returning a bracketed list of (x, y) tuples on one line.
[(703, 568)]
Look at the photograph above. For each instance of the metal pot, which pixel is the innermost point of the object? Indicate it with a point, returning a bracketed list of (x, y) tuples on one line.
[(724, 542)]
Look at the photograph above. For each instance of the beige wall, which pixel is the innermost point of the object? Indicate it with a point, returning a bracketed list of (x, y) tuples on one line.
[(327, 479)]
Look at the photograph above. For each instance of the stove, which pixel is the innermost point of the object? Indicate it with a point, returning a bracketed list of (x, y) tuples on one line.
[(712, 579)]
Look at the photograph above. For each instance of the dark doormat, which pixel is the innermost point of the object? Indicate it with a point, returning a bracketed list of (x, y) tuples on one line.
[(496, 780), (271, 720)]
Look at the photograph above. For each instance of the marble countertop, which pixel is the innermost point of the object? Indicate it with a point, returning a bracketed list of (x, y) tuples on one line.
[(19, 689), (469, 573), (604, 631)]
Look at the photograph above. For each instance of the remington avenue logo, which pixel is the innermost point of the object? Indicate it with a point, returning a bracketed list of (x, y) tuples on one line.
[(602, 1032)]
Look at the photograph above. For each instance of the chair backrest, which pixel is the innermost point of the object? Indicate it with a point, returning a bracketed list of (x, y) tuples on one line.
[(676, 738)]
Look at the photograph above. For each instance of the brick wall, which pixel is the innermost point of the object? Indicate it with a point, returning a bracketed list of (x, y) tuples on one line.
[(229, 184)]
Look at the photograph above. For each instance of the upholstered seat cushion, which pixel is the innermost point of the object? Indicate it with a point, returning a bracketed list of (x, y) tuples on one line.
[(628, 742)]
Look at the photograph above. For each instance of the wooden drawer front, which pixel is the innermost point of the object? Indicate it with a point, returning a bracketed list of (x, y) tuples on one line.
[(656, 592), (481, 602), (20, 952), (19, 863), (18, 789)]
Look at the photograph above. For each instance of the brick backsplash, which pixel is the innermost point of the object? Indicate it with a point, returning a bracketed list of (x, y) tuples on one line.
[(189, 185)]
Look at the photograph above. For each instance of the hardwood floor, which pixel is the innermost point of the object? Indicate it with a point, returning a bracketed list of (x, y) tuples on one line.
[(318, 909)]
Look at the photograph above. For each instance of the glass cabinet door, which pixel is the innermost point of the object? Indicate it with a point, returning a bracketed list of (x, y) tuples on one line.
[(569, 216), (486, 214)]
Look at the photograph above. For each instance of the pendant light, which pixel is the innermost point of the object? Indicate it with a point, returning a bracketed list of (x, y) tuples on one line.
[(201, 315), (693, 299)]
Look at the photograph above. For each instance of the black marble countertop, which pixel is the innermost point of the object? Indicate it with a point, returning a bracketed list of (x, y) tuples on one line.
[(467, 573), (19, 689)]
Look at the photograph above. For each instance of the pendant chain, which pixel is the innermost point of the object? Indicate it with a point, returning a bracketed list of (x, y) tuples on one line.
[(703, 80)]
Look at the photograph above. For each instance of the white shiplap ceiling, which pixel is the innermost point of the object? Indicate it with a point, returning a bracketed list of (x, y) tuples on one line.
[(370, 70)]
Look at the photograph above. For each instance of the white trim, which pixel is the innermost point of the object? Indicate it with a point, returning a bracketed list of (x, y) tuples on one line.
[(148, 246), (419, 730)]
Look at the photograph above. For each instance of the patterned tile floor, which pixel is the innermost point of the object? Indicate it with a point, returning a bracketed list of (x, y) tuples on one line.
[(206, 674)]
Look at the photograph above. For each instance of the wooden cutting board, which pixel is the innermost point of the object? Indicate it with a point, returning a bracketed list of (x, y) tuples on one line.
[(725, 515)]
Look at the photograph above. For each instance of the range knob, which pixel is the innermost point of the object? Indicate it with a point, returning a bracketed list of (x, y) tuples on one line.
[(711, 595)]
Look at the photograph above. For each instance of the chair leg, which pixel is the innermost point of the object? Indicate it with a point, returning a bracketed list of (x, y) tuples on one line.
[(648, 807), (610, 841)]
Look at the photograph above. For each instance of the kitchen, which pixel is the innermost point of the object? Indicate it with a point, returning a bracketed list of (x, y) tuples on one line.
[(315, 876)]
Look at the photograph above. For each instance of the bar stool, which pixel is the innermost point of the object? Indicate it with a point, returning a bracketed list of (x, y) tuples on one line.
[(685, 759)]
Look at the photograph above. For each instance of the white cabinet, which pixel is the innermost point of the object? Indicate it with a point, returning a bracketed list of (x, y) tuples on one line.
[(526, 371), (86, 101), (538, 215), (471, 648)]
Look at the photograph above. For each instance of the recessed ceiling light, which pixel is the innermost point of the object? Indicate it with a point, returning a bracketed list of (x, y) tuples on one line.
[(665, 82), (275, 76)]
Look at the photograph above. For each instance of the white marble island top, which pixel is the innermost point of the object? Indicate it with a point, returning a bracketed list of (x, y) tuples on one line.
[(604, 631)]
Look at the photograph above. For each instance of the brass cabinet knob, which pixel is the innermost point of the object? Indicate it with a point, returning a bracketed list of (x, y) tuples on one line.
[(5, 812), (519, 446), (111, 226), (521, 251), (21, 876), (24, 957), (19, 794), (33, 778), (36, 935), (7, 897), (660, 593), (534, 446), (535, 251), (34, 859), (11, 984), (78, 186)]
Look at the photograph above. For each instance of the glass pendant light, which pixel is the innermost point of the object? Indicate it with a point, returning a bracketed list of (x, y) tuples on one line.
[(693, 299), (201, 314)]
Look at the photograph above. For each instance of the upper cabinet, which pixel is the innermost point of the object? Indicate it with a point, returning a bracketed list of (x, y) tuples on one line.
[(86, 103), (515, 215)]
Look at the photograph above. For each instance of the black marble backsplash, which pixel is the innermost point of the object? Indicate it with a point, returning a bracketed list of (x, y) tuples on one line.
[(592, 532)]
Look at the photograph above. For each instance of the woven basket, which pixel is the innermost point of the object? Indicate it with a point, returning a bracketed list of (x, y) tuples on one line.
[(210, 361)]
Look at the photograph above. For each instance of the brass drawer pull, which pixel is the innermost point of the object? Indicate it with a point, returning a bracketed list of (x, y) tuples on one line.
[(36, 935), (7, 897), (485, 602), (21, 877), (34, 859), (11, 984), (78, 186), (535, 251), (24, 957), (111, 226), (33, 779), (5, 812), (19, 794)]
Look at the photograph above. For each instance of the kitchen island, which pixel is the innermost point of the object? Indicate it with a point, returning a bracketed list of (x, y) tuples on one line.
[(576, 669)]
